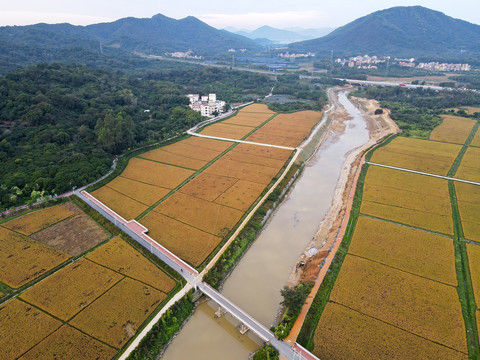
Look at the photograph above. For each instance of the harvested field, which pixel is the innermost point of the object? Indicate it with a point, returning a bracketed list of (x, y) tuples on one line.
[(470, 166), (57, 296), (67, 343), (454, 129), (23, 259), (37, 220), (190, 244), (121, 204), (250, 119), (420, 155), (414, 251), (243, 171), (228, 131), (344, 334), (119, 256), (164, 156), (153, 173), (473, 252), (423, 220), (208, 186), (241, 195), (23, 326), (417, 305), (141, 192), (74, 235), (103, 321), (412, 199), (204, 215)]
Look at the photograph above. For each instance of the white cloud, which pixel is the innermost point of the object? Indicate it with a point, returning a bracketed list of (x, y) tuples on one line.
[(30, 17), (253, 20)]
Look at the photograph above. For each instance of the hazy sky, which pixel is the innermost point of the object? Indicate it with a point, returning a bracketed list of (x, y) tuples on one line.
[(248, 14)]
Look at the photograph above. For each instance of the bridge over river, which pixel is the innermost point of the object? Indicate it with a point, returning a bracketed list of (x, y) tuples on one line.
[(138, 232)]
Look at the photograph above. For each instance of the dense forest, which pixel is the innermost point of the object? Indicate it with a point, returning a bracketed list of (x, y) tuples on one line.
[(416, 111), (61, 125)]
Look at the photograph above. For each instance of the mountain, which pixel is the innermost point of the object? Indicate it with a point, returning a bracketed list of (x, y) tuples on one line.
[(26, 45), (281, 36), (399, 31)]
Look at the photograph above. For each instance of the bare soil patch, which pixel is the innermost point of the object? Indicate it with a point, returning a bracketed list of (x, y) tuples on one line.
[(74, 235)]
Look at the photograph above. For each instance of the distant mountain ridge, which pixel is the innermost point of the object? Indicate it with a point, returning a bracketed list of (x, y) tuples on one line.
[(282, 36), (153, 35), (398, 31)]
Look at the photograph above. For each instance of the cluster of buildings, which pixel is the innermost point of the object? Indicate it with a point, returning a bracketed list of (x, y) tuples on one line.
[(206, 105), (183, 55), (364, 62), (370, 62), (294, 56)]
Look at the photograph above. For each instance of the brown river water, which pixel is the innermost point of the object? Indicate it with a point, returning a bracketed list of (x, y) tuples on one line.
[(255, 283)]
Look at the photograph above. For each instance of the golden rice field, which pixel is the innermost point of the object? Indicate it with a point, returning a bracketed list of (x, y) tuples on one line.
[(228, 131), (38, 220), (207, 216), (264, 152), (198, 148), (22, 259), (208, 186), (473, 253), (187, 242), (254, 159), (243, 171), (476, 139), (154, 173), (287, 129), (412, 199), (470, 166), (251, 119), (68, 343), (414, 251), (141, 192), (103, 320), (164, 156), (211, 144), (344, 334), (23, 326), (119, 256), (420, 155), (57, 296), (256, 108), (241, 195), (454, 129), (126, 207), (420, 306)]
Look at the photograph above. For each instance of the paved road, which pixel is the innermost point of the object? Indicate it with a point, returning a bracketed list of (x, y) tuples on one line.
[(424, 173)]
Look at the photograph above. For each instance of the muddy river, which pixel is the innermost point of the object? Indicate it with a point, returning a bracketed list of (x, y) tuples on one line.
[(256, 282)]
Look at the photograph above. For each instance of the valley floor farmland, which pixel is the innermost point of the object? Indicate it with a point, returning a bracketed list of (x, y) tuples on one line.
[(191, 194), (71, 289), (401, 280)]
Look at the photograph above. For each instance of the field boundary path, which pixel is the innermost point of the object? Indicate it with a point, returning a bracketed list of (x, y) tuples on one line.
[(424, 173)]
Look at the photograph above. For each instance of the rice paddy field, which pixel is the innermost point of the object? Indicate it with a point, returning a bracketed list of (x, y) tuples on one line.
[(420, 155), (70, 305), (398, 293), (454, 129), (192, 193)]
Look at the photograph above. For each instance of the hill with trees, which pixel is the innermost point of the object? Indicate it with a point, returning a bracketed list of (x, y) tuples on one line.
[(399, 31)]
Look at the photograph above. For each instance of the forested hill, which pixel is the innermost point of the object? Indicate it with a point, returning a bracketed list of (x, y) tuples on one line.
[(399, 31), (107, 43), (61, 125)]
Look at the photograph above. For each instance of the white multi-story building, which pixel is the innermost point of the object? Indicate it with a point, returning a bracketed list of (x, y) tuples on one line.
[(206, 105)]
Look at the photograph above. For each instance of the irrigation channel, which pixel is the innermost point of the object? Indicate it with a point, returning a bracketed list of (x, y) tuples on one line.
[(256, 282)]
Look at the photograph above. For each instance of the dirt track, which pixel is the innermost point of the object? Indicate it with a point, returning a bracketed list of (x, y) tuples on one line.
[(379, 126)]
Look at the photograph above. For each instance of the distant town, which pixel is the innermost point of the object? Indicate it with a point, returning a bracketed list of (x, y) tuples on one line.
[(371, 62)]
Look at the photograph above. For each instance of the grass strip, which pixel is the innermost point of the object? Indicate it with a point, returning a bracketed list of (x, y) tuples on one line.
[(458, 160)]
